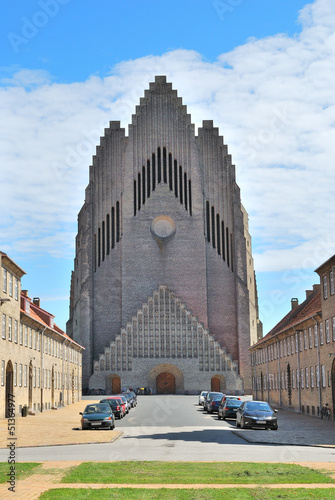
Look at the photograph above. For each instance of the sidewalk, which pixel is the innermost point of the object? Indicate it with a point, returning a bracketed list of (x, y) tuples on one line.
[(55, 427)]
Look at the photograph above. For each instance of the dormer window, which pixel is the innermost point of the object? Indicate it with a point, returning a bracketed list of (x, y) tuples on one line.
[(27, 306)]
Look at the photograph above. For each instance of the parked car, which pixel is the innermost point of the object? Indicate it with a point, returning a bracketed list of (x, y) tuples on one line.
[(230, 397), (209, 396), (115, 406), (126, 401), (256, 414), (202, 397), (97, 415), (228, 408), (121, 403), (213, 404)]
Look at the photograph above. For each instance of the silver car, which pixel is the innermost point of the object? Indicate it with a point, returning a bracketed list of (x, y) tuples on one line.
[(202, 397)]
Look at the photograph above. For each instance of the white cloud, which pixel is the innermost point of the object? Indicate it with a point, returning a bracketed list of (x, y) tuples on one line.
[(272, 99)]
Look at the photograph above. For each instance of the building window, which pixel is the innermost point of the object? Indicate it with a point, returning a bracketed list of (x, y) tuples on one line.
[(10, 329), (284, 347), (35, 334), (333, 322), (20, 375), (331, 280), (321, 334), (300, 340), (30, 338), (15, 374), (312, 376), (21, 334), (4, 282), (293, 379), (302, 378), (325, 288), (307, 377), (2, 373), (327, 331), (10, 285), (305, 339), (34, 377), (25, 375), (38, 377), (26, 336), (16, 289), (296, 344), (4, 326), (315, 335), (16, 331), (323, 375), (310, 337), (317, 376)]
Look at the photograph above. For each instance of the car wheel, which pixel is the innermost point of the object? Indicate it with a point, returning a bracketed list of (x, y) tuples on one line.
[(275, 428)]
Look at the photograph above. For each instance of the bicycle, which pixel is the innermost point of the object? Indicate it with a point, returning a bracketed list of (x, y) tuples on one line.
[(325, 412)]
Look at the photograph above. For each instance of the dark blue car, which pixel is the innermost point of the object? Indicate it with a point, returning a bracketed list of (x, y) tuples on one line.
[(97, 415)]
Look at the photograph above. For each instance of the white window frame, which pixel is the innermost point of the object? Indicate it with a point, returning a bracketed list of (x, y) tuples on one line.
[(16, 289), (2, 372), (333, 324), (323, 375), (4, 326), (21, 334), (321, 333), (312, 376), (307, 377), (325, 287), (10, 322), (10, 285), (4, 280), (331, 281), (327, 331), (315, 335), (16, 330)]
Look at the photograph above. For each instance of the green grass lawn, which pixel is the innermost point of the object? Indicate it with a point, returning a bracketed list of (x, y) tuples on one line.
[(193, 472), (21, 470), (205, 494)]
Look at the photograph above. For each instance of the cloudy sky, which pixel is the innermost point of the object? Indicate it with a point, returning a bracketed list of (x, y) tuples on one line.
[(263, 70)]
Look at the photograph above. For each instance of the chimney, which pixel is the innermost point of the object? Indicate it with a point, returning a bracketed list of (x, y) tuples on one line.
[(36, 301), (308, 292), (25, 292), (294, 303)]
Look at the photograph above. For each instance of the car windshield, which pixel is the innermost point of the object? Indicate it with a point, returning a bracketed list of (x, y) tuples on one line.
[(233, 403), (259, 406), (111, 402), (212, 394), (99, 408), (216, 398)]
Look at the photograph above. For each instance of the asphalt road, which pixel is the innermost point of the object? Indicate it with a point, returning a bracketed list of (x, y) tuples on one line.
[(175, 428)]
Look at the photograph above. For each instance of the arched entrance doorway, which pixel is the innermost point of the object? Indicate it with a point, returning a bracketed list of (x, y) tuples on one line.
[(30, 385), (114, 384), (165, 383), (218, 383), (9, 389)]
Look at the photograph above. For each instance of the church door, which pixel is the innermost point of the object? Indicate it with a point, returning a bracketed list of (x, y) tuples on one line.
[(165, 383), (116, 385), (215, 384)]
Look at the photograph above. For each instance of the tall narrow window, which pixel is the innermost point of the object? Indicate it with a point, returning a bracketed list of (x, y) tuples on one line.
[(227, 241), (208, 226), (143, 185), (190, 196), (99, 246), (231, 253), (153, 172), (108, 234), (148, 179), (118, 231), (218, 237), (113, 227), (175, 179), (103, 241), (139, 191), (170, 171), (95, 254), (135, 198), (185, 190), (159, 161), (213, 227), (164, 166), (181, 184), (223, 241)]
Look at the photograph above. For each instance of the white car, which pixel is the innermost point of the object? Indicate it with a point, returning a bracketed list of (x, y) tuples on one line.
[(202, 397)]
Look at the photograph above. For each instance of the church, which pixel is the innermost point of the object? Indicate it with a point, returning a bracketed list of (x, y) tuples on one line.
[(163, 292)]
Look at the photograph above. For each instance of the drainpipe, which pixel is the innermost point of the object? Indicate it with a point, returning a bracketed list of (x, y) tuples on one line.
[(42, 367), (319, 367), (298, 364)]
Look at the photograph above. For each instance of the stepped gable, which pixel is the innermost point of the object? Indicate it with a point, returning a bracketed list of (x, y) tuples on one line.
[(164, 328)]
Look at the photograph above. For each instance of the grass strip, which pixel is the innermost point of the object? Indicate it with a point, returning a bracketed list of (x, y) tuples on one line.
[(21, 470), (193, 472), (179, 494)]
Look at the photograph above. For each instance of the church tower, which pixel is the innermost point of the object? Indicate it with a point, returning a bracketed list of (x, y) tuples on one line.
[(162, 275)]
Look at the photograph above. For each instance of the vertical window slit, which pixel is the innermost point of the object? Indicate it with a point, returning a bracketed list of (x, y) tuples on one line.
[(117, 221), (139, 191), (164, 166), (143, 185), (95, 252), (223, 241), (99, 246), (175, 179), (231, 253), (181, 184), (108, 234), (113, 226), (185, 190), (208, 227), (218, 238), (170, 171), (153, 172), (135, 199), (213, 226), (159, 177), (148, 178), (190, 196), (227, 243), (103, 241)]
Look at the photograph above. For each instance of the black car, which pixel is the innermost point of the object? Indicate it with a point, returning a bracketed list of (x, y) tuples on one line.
[(97, 415), (213, 404), (256, 414), (115, 406), (228, 408), (209, 396)]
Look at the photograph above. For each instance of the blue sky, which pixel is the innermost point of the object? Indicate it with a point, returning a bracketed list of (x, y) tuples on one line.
[(264, 72)]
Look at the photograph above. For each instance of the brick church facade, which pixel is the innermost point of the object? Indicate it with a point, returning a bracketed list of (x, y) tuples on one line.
[(163, 292)]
